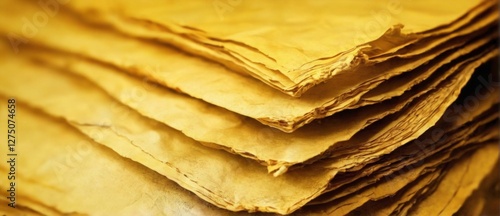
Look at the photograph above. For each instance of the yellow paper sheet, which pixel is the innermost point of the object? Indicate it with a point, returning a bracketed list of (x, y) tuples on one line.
[(388, 188), (225, 180), (459, 183), (62, 169), (410, 155), (222, 129), (188, 74), (289, 46)]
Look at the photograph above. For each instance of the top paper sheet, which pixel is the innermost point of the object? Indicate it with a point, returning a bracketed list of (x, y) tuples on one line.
[(287, 45)]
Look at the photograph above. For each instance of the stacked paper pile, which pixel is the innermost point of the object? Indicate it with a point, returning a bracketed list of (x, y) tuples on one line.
[(235, 107)]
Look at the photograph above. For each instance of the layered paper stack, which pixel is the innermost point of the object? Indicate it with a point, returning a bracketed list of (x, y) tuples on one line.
[(221, 107)]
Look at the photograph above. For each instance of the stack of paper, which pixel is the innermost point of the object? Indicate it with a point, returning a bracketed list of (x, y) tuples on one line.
[(240, 107)]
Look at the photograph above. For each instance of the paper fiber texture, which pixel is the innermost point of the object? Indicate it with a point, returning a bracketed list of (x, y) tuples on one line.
[(411, 154), (427, 185), (392, 204), (394, 177), (161, 148), (70, 174), (288, 46), (483, 200), (220, 128), (225, 180), (427, 144), (85, 154), (284, 154), (459, 183), (202, 79), (116, 137), (388, 134), (386, 188), (414, 203)]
